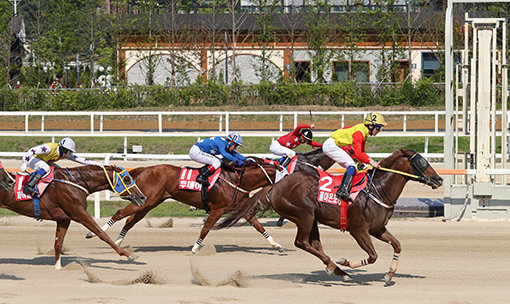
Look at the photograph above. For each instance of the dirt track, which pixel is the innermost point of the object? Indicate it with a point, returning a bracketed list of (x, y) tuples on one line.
[(465, 262)]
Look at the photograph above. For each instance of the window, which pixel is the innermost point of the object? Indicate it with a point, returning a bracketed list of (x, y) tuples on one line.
[(429, 64), (303, 73), (340, 71), (357, 70)]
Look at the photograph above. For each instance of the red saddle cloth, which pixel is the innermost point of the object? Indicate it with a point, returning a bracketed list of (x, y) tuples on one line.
[(327, 192), (188, 179), (22, 180)]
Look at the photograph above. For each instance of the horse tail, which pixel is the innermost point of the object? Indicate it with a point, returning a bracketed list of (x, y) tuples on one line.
[(257, 204)]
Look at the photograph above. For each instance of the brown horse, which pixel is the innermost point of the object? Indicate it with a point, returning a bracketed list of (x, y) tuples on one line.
[(161, 182), (295, 198), (65, 199)]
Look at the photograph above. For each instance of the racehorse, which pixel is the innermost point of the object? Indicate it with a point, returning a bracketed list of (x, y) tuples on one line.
[(65, 199), (295, 198), (160, 182)]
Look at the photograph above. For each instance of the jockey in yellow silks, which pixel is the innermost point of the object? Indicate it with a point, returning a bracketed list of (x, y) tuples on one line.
[(352, 139), (41, 157)]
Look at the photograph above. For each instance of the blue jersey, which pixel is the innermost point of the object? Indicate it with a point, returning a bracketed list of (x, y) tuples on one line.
[(218, 145)]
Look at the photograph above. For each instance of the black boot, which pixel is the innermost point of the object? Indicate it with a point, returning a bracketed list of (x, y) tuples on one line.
[(203, 176), (280, 221), (30, 187), (345, 188)]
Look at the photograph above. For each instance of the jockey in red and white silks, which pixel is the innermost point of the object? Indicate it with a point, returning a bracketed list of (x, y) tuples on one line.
[(283, 146)]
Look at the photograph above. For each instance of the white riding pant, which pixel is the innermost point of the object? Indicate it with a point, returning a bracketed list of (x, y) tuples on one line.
[(336, 153), (205, 158), (278, 149), (37, 163)]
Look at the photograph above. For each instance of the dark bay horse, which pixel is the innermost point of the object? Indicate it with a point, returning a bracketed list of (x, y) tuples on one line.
[(161, 182), (65, 199), (295, 198)]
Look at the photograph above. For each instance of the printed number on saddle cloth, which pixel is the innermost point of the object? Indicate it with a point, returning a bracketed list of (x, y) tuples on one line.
[(327, 190), (188, 179)]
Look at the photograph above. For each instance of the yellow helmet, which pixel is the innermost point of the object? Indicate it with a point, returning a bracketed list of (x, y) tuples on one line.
[(374, 118)]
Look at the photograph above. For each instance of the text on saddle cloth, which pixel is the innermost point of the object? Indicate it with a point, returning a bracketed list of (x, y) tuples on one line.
[(22, 180), (188, 179), (327, 183)]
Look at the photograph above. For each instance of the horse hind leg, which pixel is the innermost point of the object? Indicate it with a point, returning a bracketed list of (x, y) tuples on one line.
[(307, 238), (60, 233), (258, 226), (120, 214), (130, 222)]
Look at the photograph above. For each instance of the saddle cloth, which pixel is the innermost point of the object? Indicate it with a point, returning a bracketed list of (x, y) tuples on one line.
[(327, 183), (188, 179), (22, 180)]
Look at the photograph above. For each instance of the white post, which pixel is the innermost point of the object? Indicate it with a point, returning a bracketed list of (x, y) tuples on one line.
[(97, 205), (42, 123), (504, 100), (160, 123), (92, 123), (295, 120), (26, 122), (405, 123), (101, 123), (221, 123), (281, 122)]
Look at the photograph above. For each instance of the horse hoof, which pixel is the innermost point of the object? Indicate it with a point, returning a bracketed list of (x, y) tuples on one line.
[(388, 277), (346, 278), (329, 272), (343, 262), (89, 235), (282, 250), (131, 258)]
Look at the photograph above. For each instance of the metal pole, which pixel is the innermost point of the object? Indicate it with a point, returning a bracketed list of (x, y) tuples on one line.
[(226, 58), (448, 141)]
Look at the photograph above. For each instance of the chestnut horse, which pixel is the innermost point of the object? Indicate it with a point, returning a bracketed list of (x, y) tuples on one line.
[(295, 198), (65, 199), (161, 182), (6, 180)]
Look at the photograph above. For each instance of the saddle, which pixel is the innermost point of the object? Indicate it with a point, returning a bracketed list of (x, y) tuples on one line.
[(22, 180)]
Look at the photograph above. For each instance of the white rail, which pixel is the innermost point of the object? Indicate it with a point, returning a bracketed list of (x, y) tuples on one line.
[(224, 118)]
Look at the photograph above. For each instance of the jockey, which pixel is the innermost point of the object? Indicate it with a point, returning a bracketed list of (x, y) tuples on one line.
[(40, 158), (352, 139), (283, 146), (205, 150)]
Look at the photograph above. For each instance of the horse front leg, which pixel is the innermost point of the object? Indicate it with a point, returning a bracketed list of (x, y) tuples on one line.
[(258, 226), (308, 234), (385, 236), (131, 221), (213, 217), (363, 239), (60, 233), (120, 214)]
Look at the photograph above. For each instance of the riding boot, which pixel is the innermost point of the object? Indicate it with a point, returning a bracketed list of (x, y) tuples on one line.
[(284, 161), (279, 223), (30, 187), (204, 173), (344, 190)]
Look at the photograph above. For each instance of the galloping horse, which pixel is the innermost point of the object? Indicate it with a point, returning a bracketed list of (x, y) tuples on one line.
[(295, 198), (65, 199), (161, 182)]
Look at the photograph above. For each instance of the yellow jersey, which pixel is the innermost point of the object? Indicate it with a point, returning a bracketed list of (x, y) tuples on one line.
[(53, 156)]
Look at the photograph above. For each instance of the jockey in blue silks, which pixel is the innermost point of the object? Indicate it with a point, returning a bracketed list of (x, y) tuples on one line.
[(205, 152)]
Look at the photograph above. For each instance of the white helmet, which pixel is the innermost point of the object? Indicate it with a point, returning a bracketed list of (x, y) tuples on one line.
[(68, 144)]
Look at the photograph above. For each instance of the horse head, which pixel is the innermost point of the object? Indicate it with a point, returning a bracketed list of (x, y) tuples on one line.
[(416, 165), (315, 158), (6, 180), (125, 187)]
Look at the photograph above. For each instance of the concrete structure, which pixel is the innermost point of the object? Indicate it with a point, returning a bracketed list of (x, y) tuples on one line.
[(484, 195)]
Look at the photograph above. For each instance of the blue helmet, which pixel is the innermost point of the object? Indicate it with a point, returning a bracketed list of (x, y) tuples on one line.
[(236, 138)]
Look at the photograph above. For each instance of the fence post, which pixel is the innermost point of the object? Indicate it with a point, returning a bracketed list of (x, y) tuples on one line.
[(281, 122), (97, 205), (160, 123), (92, 123), (42, 123), (26, 123)]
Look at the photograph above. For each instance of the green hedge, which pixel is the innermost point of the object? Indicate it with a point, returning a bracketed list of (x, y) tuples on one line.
[(421, 93)]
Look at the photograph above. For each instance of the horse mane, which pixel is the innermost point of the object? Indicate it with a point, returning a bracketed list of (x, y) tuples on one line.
[(388, 161), (313, 152)]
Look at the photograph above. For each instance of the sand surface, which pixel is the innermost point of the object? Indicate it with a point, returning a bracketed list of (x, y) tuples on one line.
[(466, 262)]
